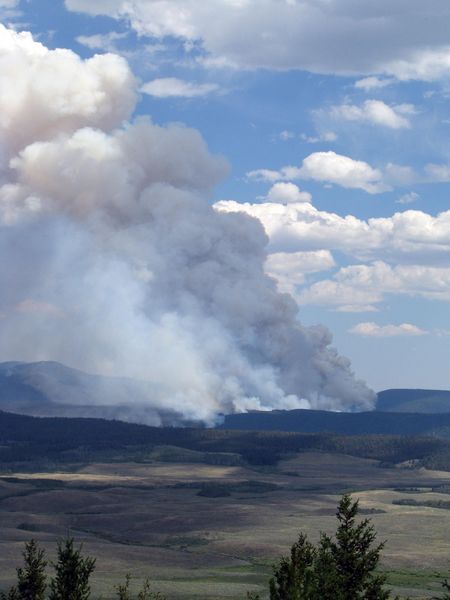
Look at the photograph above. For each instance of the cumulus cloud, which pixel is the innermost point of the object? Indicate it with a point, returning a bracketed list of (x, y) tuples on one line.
[(410, 236), (289, 268), (375, 112), (341, 296), (287, 193), (329, 167), (333, 37), (171, 87), (366, 285), (117, 263), (371, 329), (344, 171)]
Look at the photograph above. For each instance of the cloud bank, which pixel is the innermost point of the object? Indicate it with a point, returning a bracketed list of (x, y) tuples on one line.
[(406, 254), (340, 37), (116, 262), (411, 236)]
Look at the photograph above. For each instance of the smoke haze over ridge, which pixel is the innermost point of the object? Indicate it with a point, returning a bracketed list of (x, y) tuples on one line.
[(114, 261)]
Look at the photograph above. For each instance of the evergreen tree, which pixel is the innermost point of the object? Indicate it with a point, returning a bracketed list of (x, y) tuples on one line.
[(31, 578), (294, 579), (352, 557), (71, 581), (340, 568)]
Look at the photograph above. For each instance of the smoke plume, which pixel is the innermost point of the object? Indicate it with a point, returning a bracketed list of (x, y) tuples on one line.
[(114, 262)]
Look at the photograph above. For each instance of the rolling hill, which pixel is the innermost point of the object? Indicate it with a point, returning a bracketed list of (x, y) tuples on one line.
[(42, 442), (414, 401), (51, 389)]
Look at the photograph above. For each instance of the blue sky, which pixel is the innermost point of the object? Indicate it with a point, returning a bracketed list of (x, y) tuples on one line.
[(334, 118)]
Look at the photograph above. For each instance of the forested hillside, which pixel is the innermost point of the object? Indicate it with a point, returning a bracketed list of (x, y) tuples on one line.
[(362, 423), (414, 401), (55, 440)]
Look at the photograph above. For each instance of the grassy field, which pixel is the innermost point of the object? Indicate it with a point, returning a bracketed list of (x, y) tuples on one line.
[(148, 519)]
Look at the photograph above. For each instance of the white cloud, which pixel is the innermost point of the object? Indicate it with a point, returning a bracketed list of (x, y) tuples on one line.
[(356, 308), (8, 3), (362, 285), (408, 198), (342, 170), (341, 296), (329, 167), (375, 112), (171, 87), (327, 136), (415, 280), (101, 41), (289, 268), (426, 64), (372, 83), (411, 236), (286, 193), (371, 329), (335, 37), (266, 175)]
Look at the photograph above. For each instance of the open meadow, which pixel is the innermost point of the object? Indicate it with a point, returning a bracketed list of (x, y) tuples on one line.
[(212, 532)]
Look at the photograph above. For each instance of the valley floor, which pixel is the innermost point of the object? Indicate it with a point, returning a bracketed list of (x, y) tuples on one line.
[(148, 519)]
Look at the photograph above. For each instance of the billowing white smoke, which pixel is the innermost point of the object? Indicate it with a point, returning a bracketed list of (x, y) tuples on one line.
[(113, 260)]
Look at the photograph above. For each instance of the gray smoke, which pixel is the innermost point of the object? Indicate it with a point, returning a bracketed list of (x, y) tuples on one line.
[(114, 262)]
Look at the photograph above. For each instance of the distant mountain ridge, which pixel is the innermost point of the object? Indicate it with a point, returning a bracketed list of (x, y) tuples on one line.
[(50, 389), (339, 423), (414, 401)]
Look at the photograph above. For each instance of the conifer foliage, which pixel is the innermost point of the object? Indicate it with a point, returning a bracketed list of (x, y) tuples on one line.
[(339, 568), (72, 572), (31, 578)]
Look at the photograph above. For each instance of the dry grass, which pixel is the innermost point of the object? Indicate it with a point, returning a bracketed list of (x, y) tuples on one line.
[(133, 520)]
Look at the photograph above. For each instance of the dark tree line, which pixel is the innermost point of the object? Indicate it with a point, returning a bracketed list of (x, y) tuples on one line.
[(29, 439)]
